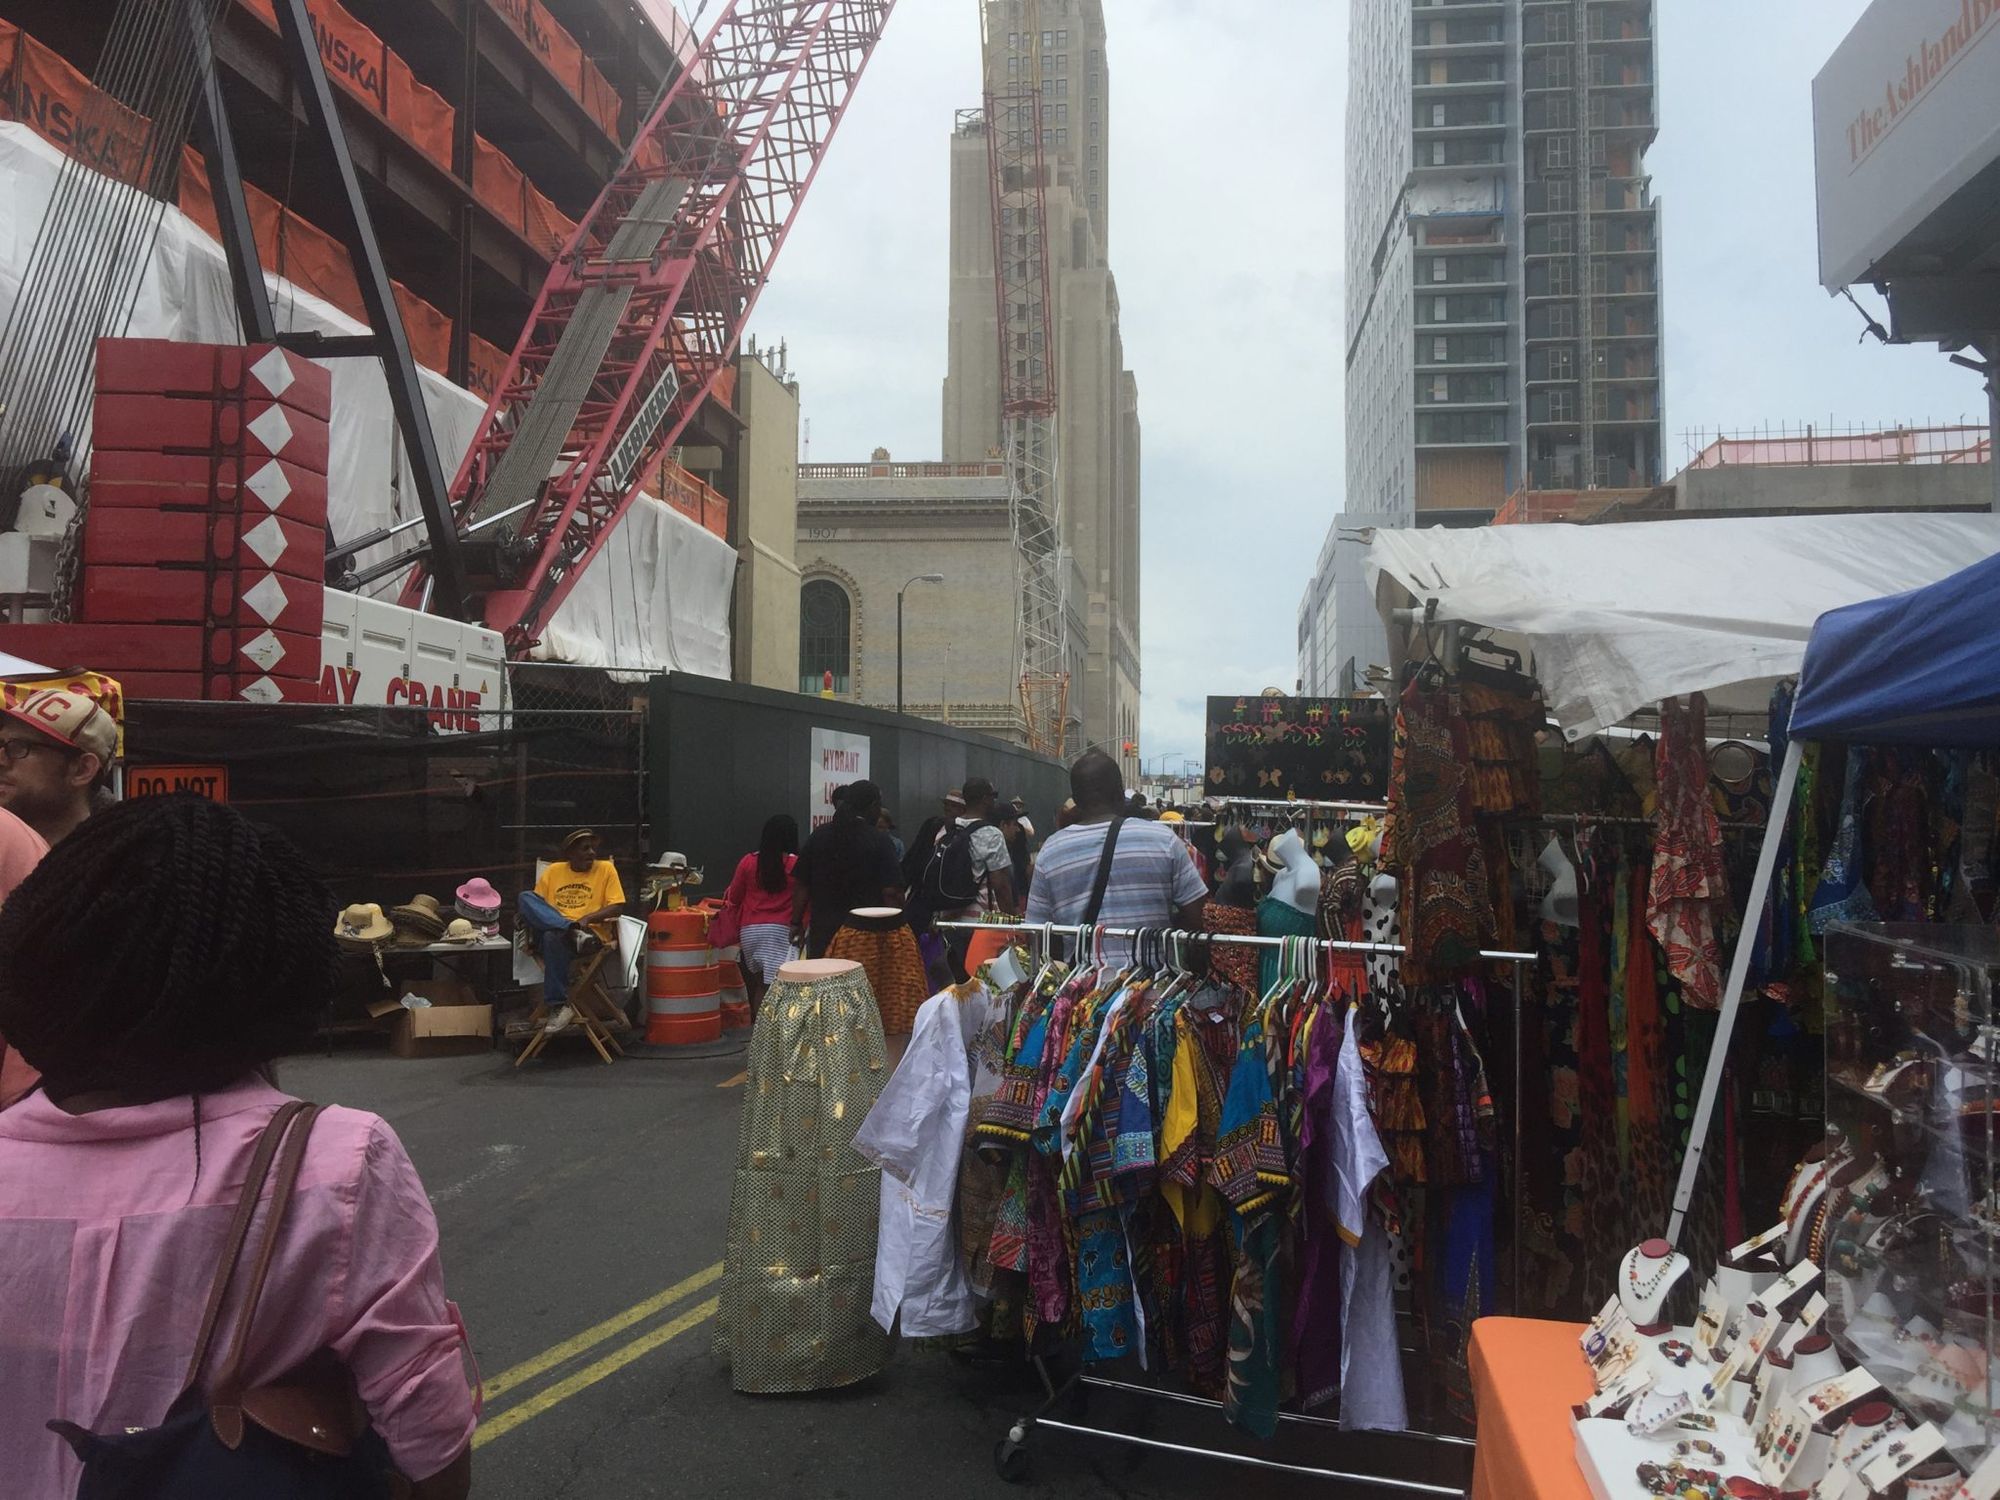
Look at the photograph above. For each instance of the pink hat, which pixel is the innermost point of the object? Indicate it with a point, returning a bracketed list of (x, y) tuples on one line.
[(478, 901)]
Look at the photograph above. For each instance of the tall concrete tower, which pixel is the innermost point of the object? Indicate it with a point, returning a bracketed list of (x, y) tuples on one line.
[(1503, 276), (1099, 435)]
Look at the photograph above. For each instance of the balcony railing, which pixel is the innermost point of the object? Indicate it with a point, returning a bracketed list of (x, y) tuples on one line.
[(991, 468)]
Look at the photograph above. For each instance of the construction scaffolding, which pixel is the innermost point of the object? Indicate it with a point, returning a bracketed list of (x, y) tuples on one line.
[(1029, 403)]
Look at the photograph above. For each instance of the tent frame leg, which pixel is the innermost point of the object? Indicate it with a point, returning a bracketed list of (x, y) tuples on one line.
[(1732, 995)]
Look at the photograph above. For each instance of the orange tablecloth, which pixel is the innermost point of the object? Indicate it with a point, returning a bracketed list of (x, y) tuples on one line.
[(1526, 1374)]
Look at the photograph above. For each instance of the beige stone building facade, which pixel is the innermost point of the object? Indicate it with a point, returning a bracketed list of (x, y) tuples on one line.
[(1099, 431), (865, 530)]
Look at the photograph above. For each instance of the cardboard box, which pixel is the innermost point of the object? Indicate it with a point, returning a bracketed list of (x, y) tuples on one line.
[(454, 1024)]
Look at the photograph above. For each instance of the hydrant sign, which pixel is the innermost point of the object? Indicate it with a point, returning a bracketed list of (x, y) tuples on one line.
[(211, 782), (837, 759)]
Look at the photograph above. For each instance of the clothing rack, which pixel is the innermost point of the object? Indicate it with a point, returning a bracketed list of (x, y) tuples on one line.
[(1301, 804), (1010, 1453), (1608, 820)]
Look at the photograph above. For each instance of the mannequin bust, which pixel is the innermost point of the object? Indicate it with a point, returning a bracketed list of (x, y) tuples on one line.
[(1236, 876), (1646, 1277), (1296, 882)]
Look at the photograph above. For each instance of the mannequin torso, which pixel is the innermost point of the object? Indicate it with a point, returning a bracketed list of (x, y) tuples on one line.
[(1297, 881)]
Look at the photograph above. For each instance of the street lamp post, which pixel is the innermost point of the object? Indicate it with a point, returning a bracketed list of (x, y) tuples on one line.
[(920, 578)]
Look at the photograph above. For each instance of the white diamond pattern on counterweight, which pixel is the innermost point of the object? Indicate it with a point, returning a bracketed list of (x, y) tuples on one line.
[(274, 372), (267, 597), (269, 484), (267, 540), (265, 652), (263, 690), (272, 428)]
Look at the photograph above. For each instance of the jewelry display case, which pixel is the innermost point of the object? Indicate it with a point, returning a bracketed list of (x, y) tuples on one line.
[(1899, 1206)]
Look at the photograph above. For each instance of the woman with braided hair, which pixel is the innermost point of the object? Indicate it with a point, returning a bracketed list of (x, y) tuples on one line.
[(151, 968)]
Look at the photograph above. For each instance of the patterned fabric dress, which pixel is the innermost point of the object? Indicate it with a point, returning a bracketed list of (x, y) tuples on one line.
[(1689, 891), (1447, 896), (804, 1208)]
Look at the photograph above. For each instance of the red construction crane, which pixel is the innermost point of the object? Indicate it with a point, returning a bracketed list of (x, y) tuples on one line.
[(644, 307)]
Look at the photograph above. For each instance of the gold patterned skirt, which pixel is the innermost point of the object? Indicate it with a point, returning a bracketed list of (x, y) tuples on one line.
[(803, 1210)]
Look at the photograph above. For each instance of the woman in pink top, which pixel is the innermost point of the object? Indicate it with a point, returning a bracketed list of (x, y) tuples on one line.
[(150, 968), (761, 896)]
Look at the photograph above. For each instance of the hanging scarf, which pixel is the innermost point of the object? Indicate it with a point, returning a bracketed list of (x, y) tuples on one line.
[(1683, 907)]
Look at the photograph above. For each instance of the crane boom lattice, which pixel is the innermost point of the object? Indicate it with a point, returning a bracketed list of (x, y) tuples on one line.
[(645, 306)]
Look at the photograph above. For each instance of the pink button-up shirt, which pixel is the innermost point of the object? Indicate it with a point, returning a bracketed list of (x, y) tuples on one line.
[(109, 1240)]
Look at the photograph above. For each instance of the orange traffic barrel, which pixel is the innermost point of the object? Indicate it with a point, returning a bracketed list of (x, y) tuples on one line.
[(683, 984), (735, 996)]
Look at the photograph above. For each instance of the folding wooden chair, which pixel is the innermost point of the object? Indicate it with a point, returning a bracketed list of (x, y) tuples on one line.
[(596, 1013)]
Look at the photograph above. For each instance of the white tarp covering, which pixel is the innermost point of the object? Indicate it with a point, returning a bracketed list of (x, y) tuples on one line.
[(1621, 616), (655, 599)]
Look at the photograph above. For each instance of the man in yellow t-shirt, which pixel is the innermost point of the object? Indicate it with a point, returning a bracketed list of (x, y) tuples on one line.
[(573, 910)]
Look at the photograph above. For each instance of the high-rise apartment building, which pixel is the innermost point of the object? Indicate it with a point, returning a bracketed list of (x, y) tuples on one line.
[(1503, 318), (1098, 434)]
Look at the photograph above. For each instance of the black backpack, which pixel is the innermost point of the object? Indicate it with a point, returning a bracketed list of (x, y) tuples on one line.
[(948, 882)]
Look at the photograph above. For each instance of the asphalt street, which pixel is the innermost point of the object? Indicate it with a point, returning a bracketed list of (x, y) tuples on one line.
[(584, 1214)]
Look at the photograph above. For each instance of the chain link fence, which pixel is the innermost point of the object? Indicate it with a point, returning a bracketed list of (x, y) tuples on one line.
[(387, 805)]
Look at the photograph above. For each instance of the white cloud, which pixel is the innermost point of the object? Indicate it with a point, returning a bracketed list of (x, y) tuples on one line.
[(1227, 235)]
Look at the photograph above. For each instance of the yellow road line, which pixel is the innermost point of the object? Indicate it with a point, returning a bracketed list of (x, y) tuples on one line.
[(590, 1374), (730, 1083), (569, 1348)]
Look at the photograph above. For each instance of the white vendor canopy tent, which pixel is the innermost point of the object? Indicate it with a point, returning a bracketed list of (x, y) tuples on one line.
[(655, 599), (1619, 616)]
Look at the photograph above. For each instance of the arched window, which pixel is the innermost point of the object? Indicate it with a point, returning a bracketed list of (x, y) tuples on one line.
[(826, 635)]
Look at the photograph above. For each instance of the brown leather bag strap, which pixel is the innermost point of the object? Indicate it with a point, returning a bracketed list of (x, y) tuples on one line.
[(239, 1229), (228, 1379)]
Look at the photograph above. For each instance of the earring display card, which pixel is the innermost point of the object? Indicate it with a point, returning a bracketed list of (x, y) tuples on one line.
[(1903, 1454), (1809, 1317), (1984, 1482), (1710, 1321)]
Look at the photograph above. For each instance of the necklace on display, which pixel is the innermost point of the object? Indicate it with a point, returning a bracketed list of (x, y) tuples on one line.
[(1647, 1279)]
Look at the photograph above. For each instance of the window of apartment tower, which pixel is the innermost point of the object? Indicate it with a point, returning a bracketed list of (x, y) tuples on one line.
[(1562, 363), (1062, 38), (1558, 154), (1093, 203), (1062, 138), (1093, 108), (1048, 138), (1062, 114), (1048, 40), (1093, 130), (826, 636), (1093, 156), (1093, 179), (1562, 406), (1562, 237)]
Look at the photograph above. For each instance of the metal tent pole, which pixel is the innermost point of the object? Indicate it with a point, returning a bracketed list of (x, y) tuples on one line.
[(1732, 995)]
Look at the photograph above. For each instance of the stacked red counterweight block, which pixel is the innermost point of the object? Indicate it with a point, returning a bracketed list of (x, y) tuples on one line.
[(205, 549)]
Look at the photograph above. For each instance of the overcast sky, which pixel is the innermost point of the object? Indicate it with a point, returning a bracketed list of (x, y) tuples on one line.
[(1226, 237)]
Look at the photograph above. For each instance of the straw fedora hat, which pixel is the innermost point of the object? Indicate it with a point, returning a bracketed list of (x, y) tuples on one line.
[(420, 914), (461, 931), (363, 926)]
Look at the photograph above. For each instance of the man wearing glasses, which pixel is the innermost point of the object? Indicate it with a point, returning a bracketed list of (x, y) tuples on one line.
[(56, 749)]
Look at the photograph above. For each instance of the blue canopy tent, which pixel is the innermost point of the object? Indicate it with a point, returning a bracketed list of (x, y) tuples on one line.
[(1921, 668)]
